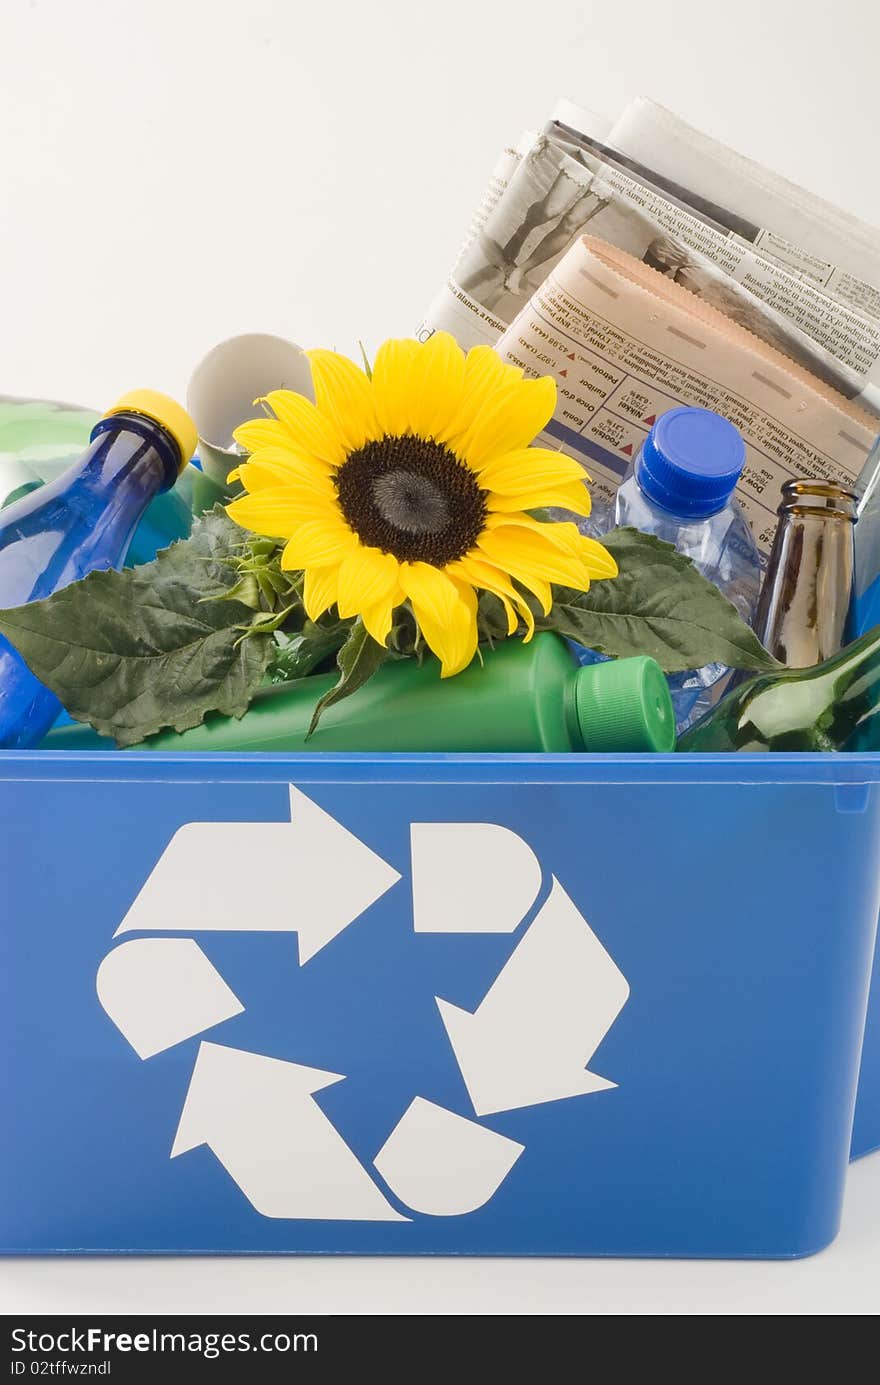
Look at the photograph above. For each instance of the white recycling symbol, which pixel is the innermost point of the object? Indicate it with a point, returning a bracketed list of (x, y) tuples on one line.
[(528, 1041)]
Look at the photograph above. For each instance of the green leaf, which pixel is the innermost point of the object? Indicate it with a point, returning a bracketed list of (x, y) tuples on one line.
[(358, 660), (659, 604), (136, 651)]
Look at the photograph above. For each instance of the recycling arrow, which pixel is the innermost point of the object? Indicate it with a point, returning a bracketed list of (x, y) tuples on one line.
[(309, 875), (528, 1042), (160, 991), (543, 1018), (258, 1117)]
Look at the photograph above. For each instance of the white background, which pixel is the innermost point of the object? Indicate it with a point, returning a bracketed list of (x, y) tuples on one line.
[(175, 171)]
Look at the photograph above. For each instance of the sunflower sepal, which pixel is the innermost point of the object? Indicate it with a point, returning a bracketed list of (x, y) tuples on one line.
[(261, 582), (305, 651), (267, 622)]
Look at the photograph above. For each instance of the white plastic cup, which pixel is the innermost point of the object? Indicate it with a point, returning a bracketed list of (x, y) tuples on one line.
[(225, 383)]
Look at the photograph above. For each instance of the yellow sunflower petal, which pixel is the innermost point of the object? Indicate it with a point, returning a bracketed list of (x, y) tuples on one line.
[(539, 588), (562, 533), (367, 576), (274, 467), (379, 617), (522, 552), (307, 428), (529, 469), (344, 397), (436, 381), (599, 561), (478, 572), (482, 574), (575, 498), (469, 634), (261, 432), (509, 611), (279, 513), (446, 611), (318, 543), (319, 590), (565, 535), (508, 422), (255, 478), (390, 383), (485, 376)]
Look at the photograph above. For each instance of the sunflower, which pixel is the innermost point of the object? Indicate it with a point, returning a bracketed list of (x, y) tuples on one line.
[(414, 484)]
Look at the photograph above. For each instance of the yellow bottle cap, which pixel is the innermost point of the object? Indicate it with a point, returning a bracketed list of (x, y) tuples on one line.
[(164, 410)]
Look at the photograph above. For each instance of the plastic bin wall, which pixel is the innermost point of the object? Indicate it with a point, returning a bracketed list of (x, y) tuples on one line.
[(400, 1004), (866, 1130)]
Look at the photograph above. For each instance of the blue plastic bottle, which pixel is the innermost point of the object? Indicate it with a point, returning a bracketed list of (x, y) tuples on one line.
[(40, 439), (81, 521), (681, 488)]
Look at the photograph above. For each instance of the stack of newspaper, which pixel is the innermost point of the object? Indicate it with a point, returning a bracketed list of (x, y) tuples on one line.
[(646, 265)]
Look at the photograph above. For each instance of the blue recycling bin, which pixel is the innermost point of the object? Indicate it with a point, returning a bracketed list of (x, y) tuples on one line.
[(866, 1129), (403, 1004)]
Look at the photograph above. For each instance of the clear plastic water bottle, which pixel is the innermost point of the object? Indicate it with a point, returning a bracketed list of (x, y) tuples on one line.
[(83, 520), (596, 523), (681, 488)]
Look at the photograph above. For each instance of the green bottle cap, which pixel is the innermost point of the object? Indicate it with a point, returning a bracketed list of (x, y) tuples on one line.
[(624, 705)]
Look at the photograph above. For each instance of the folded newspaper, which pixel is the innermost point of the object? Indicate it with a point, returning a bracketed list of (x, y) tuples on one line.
[(727, 266), (829, 246), (626, 343)]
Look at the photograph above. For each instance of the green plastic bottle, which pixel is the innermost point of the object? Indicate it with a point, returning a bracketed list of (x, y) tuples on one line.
[(523, 697), (831, 706)]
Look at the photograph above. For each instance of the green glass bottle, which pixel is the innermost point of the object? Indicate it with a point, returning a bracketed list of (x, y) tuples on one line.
[(832, 706)]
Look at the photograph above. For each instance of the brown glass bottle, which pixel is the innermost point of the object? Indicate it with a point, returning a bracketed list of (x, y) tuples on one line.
[(802, 611)]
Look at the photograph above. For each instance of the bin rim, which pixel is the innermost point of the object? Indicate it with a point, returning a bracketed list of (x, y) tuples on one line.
[(321, 766)]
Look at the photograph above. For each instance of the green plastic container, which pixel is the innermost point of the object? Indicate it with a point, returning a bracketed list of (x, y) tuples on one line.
[(522, 697)]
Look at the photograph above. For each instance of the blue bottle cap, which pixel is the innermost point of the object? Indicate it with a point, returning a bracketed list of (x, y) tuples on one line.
[(691, 461)]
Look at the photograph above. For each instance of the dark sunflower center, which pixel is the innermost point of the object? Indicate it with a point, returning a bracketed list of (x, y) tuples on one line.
[(413, 498)]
